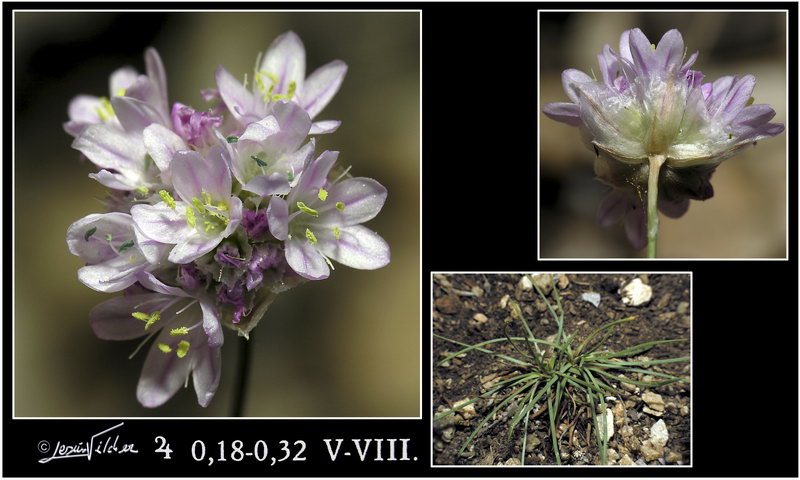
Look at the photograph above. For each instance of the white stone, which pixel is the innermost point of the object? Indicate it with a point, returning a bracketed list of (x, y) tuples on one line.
[(525, 283), (592, 297), (659, 434), (653, 400), (636, 293), (504, 301)]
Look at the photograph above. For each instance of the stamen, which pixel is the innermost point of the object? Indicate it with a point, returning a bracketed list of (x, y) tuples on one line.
[(302, 206), (336, 233), (105, 111), (310, 236), (183, 348), (89, 233), (340, 206), (323, 194), (125, 246), (261, 163), (190, 220), (232, 139), (168, 199), (198, 205), (164, 347), (186, 307), (179, 331)]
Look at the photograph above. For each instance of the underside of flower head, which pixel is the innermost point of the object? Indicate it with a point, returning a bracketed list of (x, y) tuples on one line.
[(650, 109), (650, 103)]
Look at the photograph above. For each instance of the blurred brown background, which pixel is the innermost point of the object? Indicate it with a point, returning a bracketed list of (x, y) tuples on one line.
[(347, 346), (746, 218)]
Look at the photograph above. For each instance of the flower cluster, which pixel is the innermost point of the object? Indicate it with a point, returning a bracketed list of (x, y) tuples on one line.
[(650, 106), (213, 213)]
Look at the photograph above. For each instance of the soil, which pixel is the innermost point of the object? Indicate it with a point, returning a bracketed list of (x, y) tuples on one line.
[(470, 308)]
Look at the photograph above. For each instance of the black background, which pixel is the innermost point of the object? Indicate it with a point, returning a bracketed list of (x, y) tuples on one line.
[(479, 214)]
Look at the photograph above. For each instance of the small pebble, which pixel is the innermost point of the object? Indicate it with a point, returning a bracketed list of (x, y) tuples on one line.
[(592, 297), (636, 293), (504, 301)]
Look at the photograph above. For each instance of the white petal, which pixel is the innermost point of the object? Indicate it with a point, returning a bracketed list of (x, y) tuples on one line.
[(320, 87), (192, 247), (113, 149), (278, 217), (286, 59), (113, 320), (363, 199), (161, 144), (324, 126), (114, 274), (305, 259), (357, 247), (162, 223), (206, 372), (162, 374)]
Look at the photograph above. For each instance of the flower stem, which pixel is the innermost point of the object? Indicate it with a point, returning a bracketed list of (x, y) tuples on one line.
[(652, 203), (241, 382)]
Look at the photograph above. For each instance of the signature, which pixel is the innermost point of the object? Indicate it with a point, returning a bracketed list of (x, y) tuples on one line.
[(99, 444)]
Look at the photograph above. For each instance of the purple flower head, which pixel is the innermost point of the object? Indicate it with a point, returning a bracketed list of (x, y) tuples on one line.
[(196, 128), (320, 220), (282, 76)]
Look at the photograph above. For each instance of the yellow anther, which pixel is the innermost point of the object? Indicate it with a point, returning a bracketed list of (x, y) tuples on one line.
[(164, 347), (142, 190), (190, 220), (120, 92), (183, 348), (302, 206), (198, 205), (105, 111), (141, 316), (167, 199), (154, 317), (336, 233), (323, 194), (340, 206), (179, 331), (206, 198), (310, 236)]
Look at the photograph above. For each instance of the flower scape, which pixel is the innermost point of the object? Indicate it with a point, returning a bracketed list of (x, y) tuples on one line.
[(212, 214), (657, 129)]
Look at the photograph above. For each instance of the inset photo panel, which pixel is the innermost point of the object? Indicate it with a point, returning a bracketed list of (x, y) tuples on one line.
[(662, 134), (561, 369)]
